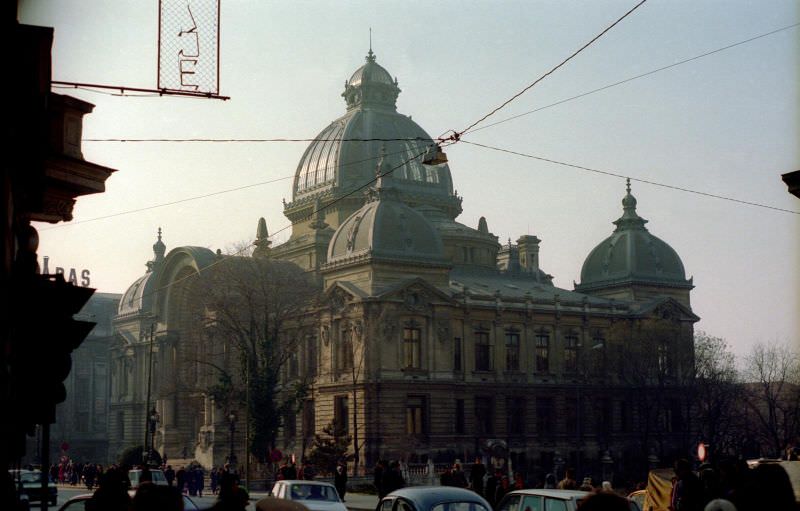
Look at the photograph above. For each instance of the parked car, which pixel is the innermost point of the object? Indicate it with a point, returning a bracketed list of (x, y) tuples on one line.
[(30, 483), (156, 476), (542, 500), (433, 498), (315, 495), (78, 503)]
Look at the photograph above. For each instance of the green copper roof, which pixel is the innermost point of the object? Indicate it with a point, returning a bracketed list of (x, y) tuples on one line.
[(632, 254), (386, 228), (333, 166)]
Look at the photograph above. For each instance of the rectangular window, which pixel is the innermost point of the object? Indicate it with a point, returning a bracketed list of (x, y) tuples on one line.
[(294, 364), (344, 358), (599, 354), (484, 415), (341, 415), (624, 417), (483, 361), (542, 352), (311, 357), (290, 425), (460, 426), (544, 416), (309, 419), (411, 347), (416, 415), (664, 362), (603, 417), (571, 416), (457, 357), (512, 350), (571, 353), (515, 411)]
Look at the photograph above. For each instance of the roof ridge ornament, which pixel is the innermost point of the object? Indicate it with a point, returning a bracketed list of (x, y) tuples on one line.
[(262, 241), (629, 219)]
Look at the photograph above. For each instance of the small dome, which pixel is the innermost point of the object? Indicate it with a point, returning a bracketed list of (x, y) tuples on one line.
[(370, 72), (632, 254), (138, 296), (386, 228)]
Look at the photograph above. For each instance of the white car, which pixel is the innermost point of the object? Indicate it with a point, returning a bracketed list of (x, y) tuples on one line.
[(315, 495)]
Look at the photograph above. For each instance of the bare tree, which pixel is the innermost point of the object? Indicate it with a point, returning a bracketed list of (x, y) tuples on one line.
[(772, 395), (248, 305), (715, 391)]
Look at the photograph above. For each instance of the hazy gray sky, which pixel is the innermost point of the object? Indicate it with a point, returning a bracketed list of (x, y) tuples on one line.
[(726, 124)]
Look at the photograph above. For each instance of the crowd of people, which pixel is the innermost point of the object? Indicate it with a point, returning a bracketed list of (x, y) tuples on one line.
[(729, 485), (68, 472)]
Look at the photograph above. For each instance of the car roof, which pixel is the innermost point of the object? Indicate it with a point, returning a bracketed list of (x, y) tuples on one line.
[(303, 481), (553, 494), (429, 496)]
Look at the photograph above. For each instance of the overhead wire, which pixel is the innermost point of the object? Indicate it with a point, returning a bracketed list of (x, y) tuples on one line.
[(211, 194), (459, 134), (311, 215), (624, 176), (258, 140), (648, 73)]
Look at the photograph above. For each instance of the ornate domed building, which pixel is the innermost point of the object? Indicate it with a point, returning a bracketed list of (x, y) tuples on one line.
[(431, 340)]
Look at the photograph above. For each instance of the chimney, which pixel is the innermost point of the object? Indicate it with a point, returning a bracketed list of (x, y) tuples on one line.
[(528, 247)]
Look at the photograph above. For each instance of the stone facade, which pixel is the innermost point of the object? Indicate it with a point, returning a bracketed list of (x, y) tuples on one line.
[(431, 340)]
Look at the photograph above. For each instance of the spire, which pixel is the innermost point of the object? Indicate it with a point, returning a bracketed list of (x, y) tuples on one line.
[(318, 217), (370, 55), (629, 219), (159, 249), (262, 242)]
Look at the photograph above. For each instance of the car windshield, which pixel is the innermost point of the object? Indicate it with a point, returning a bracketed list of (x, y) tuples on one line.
[(31, 477), (314, 492), (459, 506)]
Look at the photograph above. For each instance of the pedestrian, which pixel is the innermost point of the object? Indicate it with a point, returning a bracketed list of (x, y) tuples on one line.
[(180, 477), (231, 497), (519, 482), (476, 475), (191, 481), (212, 475), (459, 479), (200, 480), (568, 483), (169, 475), (340, 480), (446, 479), (550, 481), (377, 478), (308, 471), (491, 486), (687, 492), (502, 488), (587, 485), (393, 478)]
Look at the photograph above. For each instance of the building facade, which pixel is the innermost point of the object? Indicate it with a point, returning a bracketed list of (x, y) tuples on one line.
[(431, 340)]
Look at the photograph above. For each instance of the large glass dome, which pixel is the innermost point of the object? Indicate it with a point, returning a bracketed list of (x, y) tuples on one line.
[(333, 166)]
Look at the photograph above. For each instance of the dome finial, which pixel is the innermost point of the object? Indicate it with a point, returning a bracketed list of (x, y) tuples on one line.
[(628, 185), (159, 249), (370, 55), (262, 241)]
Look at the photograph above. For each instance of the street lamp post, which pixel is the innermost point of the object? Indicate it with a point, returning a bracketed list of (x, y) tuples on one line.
[(153, 422), (232, 425)]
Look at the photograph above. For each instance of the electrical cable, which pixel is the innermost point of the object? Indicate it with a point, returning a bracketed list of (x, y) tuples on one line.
[(640, 180), (311, 215), (258, 140), (196, 197), (648, 73), (457, 135)]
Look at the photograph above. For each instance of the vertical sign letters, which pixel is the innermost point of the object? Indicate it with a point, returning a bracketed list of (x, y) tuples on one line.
[(188, 46)]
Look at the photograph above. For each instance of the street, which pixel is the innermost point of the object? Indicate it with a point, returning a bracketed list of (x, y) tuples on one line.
[(353, 501)]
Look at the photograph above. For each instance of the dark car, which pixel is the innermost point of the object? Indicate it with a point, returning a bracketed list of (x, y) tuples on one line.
[(78, 503), (433, 498), (30, 483)]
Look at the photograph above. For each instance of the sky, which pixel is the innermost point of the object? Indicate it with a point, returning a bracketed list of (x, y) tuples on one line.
[(725, 124)]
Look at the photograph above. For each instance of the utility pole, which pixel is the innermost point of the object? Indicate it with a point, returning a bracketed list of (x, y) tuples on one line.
[(146, 451)]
